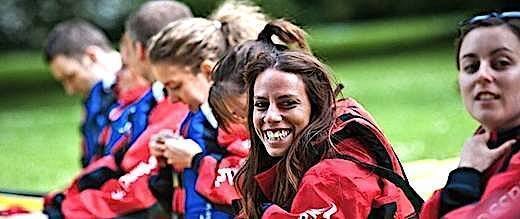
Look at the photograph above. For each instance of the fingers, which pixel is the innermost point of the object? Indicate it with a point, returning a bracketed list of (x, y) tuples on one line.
[(503, 148), (169, 154), (166, 132), (184, 147), (156, 149)]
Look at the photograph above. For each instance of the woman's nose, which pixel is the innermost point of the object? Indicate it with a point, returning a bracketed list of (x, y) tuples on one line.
[(272, 115), (485, 74)]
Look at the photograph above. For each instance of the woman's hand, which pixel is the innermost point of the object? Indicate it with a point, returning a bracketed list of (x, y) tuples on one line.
[(179, 152), (157, 146), (476, 154)]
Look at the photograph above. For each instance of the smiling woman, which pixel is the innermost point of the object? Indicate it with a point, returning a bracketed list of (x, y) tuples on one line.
[(307, 157), (281, 109)]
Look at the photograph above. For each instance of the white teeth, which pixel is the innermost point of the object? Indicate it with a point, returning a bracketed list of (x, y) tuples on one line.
[(486, 96), (270, 134), (276, 135)]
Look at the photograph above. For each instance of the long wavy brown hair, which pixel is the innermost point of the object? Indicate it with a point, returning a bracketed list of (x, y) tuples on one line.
[(308, 148), (228, 74)]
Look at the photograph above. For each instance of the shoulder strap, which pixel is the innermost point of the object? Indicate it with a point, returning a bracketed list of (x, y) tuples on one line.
[(384, 166), (391, 176)]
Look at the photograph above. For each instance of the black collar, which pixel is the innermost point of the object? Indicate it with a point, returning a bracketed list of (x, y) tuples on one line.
[(500, 137)]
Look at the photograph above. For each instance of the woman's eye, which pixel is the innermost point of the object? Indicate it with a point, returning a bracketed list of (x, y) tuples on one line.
[(471, 68), (501, 64), (260, 105), (174, 87), (289, 104)]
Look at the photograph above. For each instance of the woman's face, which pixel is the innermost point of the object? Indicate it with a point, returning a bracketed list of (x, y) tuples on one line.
[(182, 85), (489, 76), (281, 109)]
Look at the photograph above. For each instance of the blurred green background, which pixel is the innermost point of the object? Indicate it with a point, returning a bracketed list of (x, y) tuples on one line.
[(395, 57)]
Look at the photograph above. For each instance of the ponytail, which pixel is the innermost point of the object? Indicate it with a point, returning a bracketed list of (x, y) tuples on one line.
[(291, 35), (191, 41), (240, 21)]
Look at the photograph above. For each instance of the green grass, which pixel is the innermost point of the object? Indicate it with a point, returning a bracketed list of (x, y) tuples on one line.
[(22, 65), (384, 36), (413, 96), (39, 140)]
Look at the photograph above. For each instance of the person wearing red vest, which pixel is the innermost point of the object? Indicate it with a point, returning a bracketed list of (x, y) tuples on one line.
[(310, 156), (487, 182)]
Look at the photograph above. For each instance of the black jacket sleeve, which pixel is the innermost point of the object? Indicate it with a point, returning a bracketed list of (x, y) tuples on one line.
[(98, 177), (464, 187), (161, 186)]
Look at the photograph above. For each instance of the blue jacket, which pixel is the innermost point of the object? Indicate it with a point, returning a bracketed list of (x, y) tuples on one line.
[(130, 122), (97, 105), (201, 127)]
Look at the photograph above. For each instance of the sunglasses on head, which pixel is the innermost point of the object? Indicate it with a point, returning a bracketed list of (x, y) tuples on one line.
[(498, 15)]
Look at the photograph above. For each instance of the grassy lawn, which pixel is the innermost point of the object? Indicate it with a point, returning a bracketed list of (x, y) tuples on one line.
[(381, 36), (413, 96), (411, 93), (39, 140)]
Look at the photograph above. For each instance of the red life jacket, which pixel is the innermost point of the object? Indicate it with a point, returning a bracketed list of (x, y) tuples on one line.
[(364, 179), (376, 154), (129, 192), (216, 175)]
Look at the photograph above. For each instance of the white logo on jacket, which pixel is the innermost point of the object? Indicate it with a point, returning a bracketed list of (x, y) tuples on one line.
[(225, 174), (504, 203), (326, 212), (126, 180)]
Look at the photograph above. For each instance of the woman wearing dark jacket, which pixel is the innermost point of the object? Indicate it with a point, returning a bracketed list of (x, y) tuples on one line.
[(487, 182)]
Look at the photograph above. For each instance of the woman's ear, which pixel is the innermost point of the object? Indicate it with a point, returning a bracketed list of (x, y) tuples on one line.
[(206, 68)]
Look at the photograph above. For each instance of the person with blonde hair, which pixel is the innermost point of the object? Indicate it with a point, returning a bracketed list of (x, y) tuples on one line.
[(183, 55)]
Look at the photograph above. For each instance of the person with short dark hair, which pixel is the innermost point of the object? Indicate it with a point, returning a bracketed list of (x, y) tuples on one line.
[(139, 90), (81, 58), (487, 182)]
